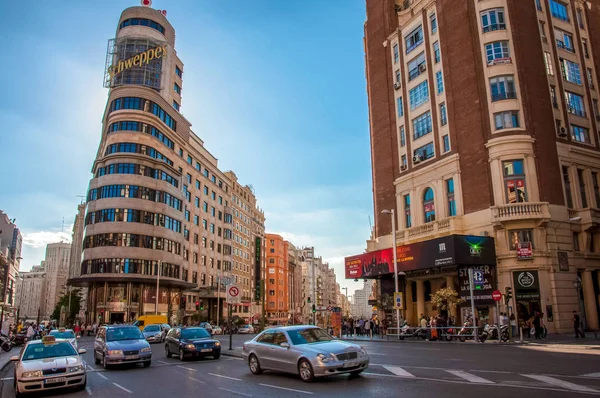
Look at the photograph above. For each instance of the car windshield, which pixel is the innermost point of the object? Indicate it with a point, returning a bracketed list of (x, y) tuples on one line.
[(42, 351), (118, 334), (308, 336), (195, 333), (62, 335), (151, 328)]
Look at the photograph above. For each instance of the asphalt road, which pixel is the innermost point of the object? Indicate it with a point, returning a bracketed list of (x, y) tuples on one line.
[(405, 369)]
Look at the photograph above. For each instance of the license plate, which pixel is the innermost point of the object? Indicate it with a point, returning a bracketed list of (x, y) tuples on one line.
[(56, 380), (350, 364), (206, 350), (132, 357)]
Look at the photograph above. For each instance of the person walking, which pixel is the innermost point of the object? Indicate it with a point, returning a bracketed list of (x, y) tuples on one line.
[(577, 325), (537, 325), (368, 329)]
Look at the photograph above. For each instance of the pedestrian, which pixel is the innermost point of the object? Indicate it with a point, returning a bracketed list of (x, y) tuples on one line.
[(368, 330), (537, 324), (577, 325), (513, 324)]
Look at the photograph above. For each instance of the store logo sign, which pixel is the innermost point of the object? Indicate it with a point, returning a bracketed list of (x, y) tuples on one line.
[(140, 59), (442, 248), (526, 279)]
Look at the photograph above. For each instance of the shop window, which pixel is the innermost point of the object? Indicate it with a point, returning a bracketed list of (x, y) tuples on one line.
[(407, 218), (429, 205), (514, 181), (517, 236)]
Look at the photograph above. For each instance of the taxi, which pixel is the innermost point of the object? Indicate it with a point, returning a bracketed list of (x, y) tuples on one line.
[(48, 364), (67, 334)]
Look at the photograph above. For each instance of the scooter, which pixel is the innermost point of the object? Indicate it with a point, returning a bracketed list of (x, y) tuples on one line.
[(5, 344), (18, 339)]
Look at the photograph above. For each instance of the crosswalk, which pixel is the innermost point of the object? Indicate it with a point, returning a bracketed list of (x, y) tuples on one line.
[(588, 383)]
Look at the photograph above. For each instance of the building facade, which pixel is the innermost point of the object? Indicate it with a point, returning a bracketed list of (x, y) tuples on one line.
[(75, 258), (294, 285), (11, 242), (484, 123), (277, 279), (31, 294), (56, 265), (359, 306), (158, 206)]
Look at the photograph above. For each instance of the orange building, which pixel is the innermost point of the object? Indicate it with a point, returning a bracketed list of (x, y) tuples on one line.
[(276, 275)]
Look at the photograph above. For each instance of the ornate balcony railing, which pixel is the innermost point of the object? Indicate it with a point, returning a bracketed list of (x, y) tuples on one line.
[(520, 211)]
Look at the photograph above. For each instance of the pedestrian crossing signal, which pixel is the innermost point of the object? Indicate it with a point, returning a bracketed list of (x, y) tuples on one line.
[(314, 308)]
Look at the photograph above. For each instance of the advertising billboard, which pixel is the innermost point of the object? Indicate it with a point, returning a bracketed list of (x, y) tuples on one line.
[(447, 250)]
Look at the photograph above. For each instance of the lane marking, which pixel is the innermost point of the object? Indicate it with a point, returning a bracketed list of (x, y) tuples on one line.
[(122, 388), (285, 388), (7, 378), (199, 381), (398, 371), (186, 368), (101, 375), (225, 377), (88, 390), (469, 377), (377, 354), (89, 367), (491, 371), (235, 392), (163, 362), (561, 383)]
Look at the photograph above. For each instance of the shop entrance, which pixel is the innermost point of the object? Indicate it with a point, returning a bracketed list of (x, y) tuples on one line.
[(117, 317)]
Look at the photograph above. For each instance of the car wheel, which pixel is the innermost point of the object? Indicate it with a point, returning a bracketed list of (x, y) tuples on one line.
[(254, 365), (104, 363), (356, 373), (147, 364), (181, 355), (217, 356), (306, 371), (96, 360), (462, 339), (167, 351)]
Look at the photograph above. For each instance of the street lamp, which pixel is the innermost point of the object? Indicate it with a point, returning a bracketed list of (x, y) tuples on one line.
[(577, 286), (396, 289)]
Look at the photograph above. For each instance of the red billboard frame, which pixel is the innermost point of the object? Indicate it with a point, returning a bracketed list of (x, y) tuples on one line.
[(370, 264)]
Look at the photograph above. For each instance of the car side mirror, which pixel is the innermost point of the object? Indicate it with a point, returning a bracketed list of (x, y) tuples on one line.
[(78, 337), (82, 351), (284, 345), (14, 358)]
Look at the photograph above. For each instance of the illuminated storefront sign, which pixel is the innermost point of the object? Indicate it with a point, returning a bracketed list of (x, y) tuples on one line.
[(137, 60)]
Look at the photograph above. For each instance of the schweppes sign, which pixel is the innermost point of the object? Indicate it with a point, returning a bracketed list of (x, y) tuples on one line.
[(140, 59)]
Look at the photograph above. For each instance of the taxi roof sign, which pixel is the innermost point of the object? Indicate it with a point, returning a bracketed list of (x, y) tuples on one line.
[(48, 339), (62, 330)]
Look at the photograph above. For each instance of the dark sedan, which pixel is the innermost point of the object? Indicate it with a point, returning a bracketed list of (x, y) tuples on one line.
[(191, 342)]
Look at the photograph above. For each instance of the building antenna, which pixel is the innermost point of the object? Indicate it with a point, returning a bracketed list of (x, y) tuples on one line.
[(62, 230), (82, 198)]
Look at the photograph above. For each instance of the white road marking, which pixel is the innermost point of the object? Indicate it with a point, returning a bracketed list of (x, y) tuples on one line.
[(398, 371), (377, 354), (469, 377), (561, 383), (7, 378), (183, 367), (101, 375), (199, 381), (491, 371), (163, 362), (88, 390), (592, 375), (122, 388), (235, 392), (284, 388), (225, 377), (89, 367)]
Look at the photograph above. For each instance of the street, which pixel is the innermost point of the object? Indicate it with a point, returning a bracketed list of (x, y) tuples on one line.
[(409, 368)]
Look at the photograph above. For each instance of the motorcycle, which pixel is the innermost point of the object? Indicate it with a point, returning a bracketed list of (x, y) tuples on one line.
[(5, 344), (407, 331), (18, 339)]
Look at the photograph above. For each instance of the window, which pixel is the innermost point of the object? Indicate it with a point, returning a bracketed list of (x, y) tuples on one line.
[(403, 163), (543, 31), (446, 140), (422, 125), (580, 134), (580, 18), (596, 188), (450, 197), (205, 190), (178, 71), (590, 76), (559, 10), (576, 246), (419, 95), (439, 82), (570, 71), (493, 20), (175, 105), (142, 22), (443, 114), (517, 236), (553, 97), (564, 40), (575, 104), (428, 205), (514, 181), (585, 48), (548, 61), (416, 66), (187, 215), (506, 120), (567, 184), (582, 193), (398, 75), (425, 152), (402, 136), (407, 219), (177, 88), (414, 39), (497, 52), (596, 111), (205, 224), (180, 152), (399, 105), (503, 87), (433, 20), (436, 52), (538, 5), (396, 54)]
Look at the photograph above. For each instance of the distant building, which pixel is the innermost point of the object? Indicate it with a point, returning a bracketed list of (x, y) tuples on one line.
[(31, 293), (57, 272), (11, 242), (360, 307), (294, 285), (76, 249)]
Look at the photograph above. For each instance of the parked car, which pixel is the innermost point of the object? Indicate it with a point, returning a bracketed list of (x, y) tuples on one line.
[(308, 351), (48, 364), (153, 333), (67, 334), (191, 342), (217, 330), (246, 329), (121, 344)]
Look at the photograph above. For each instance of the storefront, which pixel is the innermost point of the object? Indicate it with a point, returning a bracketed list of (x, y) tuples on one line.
[(527, 295)]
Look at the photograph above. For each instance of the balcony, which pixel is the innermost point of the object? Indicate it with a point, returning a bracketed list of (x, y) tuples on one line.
[(520, 211), (494, 27), (444, 226), (504, 96), (590, 217)]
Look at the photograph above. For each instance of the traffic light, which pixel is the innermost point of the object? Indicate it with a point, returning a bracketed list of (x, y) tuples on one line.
[(308, 301), (508, 294), (183, 302), (314, 308), (197, 305), (201, 306), (257, 292)]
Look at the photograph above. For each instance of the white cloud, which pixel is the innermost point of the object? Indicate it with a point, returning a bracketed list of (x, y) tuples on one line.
[(40, 239)]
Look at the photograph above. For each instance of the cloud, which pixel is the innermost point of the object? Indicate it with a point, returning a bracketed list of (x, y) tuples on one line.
[(40, 239)]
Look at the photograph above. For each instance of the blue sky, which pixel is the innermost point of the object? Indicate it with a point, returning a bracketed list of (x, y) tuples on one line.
[(276, 89)]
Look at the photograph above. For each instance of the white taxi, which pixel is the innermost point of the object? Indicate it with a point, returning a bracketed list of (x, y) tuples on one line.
[(48, 364), (67, 334)]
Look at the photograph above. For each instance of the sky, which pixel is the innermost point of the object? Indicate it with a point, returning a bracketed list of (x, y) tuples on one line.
[(275, 88)]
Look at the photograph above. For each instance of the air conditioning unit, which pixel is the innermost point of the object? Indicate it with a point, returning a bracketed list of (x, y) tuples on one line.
[(417, 159), (397, 85), (562, 132), (422, 68), (403, 167)]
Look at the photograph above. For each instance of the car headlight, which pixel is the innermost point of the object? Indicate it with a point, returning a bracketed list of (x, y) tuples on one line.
[(157, 336), (29, 375), (73, 369), (115, 352), (146, 349), (362, 352), (190, 347), (217, 343), (324, 358)]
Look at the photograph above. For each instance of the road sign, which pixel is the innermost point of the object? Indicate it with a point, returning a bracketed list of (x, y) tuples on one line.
[(234, 294), (329, 308), (478, 279), (497, 295), (398, 304)]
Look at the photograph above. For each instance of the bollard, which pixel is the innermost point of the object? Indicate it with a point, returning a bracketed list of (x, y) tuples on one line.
[(521, 334)]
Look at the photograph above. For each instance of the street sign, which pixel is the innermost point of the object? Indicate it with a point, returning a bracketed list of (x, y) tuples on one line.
[(329, 308), (234, 294), (524, 251), (497, 295), (478, 279), (398, 304)]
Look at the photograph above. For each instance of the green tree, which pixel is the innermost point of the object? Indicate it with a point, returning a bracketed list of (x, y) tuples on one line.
[(75, 306), (446, 299)]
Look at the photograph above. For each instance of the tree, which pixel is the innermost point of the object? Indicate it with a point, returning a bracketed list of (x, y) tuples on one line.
[(446, 299), (75, 306)]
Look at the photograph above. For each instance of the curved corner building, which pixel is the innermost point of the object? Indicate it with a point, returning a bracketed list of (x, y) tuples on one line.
[(157, 200)]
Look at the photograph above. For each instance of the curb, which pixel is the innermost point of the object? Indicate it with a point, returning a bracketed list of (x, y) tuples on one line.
[(228, 353), (396, 341)]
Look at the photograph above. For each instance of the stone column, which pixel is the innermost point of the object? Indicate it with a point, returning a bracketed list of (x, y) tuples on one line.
[(450, 284), (589, 300), (420, 298)]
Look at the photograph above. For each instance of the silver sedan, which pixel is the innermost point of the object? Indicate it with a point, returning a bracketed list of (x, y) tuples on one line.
[(308, 351)]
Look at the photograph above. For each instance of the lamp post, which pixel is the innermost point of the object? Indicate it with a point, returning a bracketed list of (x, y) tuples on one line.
[(158, 267), (577, 286), (396, 289)]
